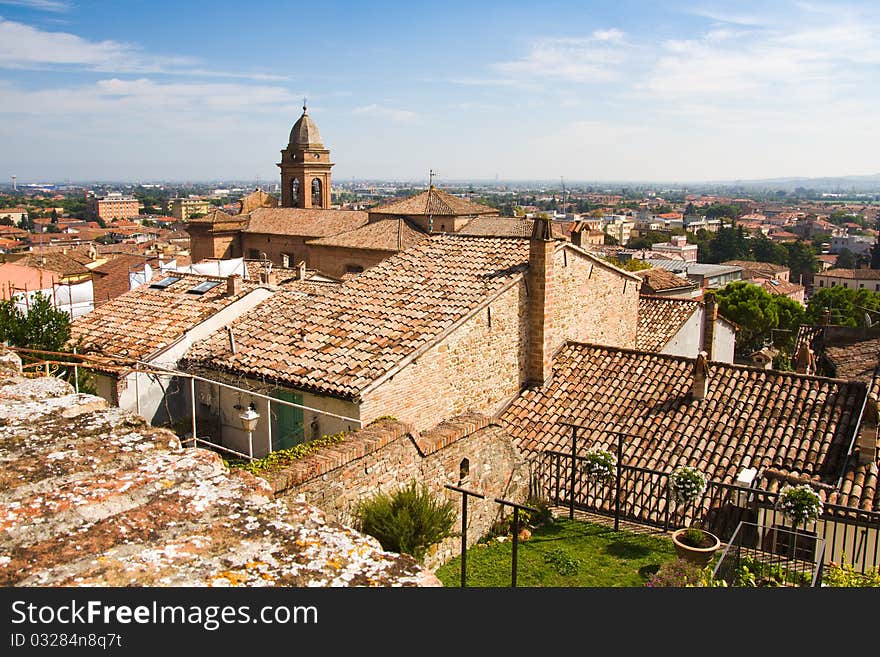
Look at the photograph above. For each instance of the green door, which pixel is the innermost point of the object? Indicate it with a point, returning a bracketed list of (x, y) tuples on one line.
[(287, 421)]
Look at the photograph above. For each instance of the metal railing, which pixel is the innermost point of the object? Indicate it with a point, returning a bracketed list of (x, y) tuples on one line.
[(60, 363), (850, 535)]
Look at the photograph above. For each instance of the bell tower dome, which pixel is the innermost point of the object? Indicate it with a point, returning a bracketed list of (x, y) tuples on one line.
[(305, 167)]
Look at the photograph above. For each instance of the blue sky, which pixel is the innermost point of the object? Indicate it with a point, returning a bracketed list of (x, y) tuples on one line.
[(598, 91)]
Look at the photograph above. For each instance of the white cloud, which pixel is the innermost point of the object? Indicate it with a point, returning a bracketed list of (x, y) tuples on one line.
[(26, 47), (385, 112), (595, 58), (44, 5)]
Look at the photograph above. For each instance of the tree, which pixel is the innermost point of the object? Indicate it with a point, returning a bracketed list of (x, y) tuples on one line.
[(633, 264), (6, 220), (846, 259), (875, 255), (758, 313), (718, 211), (611, 240), (53, 228), (729, 243), (53, 217), (42, 327), (848, 306), (766, 250), (802, 261)]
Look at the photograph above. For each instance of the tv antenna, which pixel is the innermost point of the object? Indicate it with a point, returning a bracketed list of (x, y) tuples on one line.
[(431, 174)]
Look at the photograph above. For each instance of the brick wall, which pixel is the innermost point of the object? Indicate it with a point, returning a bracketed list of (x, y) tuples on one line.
[(274, 245), (591, 304), (335, 260), (388, 454), (206, 244), (478, 367)]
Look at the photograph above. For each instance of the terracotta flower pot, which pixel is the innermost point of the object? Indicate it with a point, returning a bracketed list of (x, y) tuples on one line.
[(698, 555)]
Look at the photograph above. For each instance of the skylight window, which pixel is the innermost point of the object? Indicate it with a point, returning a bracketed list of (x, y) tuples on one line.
[(165, 282), (201, 288)]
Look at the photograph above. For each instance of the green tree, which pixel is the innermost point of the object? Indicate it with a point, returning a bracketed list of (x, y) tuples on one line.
[(42, 327), (718, 211), (729, 243), (53, 228), (802, 261), (848, 306), (633, 264), (758, 313), (53, 217), (766, 250), (846, 259)]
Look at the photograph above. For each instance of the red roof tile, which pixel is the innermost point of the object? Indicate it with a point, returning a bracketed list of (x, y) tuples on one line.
[(304, 222)]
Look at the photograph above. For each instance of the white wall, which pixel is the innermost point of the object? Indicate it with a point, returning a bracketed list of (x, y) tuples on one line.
[(688, 341)]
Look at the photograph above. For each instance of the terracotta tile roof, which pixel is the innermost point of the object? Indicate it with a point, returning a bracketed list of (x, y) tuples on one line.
[(143, 320), (340, 342), (660, 318), (382, 235), (855, 361), (507, 227), (304, 222), (657, 279), (126, 263), (61, 263), (94, 496), (436, 202), (801, 425), (752, 269), (850, 274), (777, 286)]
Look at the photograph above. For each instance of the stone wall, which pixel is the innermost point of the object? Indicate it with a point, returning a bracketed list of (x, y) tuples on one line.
[(335, 260), (593, 302), (476, 368), (274, 245), (388, 454)]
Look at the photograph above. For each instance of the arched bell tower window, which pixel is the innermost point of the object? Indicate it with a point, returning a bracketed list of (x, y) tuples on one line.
[(294, 193), (317, 193)]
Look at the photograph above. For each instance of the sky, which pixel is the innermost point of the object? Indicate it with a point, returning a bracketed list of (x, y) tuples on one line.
[(666, 91)]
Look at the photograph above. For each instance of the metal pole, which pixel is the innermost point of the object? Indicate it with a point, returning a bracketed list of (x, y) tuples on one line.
[(251, 445), (192, 395), (515, 543), (573, 464), (269, 422), (137, 392), (617, 482), (75, 374), (464, 500)]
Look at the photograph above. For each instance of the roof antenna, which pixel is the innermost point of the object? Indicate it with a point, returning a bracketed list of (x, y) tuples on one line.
[(431, 174)]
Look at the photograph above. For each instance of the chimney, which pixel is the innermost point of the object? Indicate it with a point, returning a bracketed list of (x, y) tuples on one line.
[(539, 282), (233, 285), (577, 233), (804, 360), (710, 320), (268, 277), (868, 431), (826, 316), (700, 385), (302, 270)]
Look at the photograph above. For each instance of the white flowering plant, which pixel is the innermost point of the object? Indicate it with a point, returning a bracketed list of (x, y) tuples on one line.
[(800, 503), (598, 464), (687, 484)]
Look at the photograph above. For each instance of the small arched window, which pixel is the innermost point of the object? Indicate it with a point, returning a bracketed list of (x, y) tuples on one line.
[(317, 193), (464, 469), (294, 193)]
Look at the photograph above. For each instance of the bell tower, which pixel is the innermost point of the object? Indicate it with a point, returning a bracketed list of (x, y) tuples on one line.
[(305, 167)]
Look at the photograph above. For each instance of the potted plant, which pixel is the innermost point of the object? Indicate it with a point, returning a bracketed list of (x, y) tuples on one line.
[(598, 464), (692, 543), (800, 503)]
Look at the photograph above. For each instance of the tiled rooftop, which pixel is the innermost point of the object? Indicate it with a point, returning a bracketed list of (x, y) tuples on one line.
[(382, 235), (93, 496), (752, 269), (799, 425), (660, 318), (778, 286), (61, 263), (855, 361), (850, 274), (436, 202), (506, 227), (143, 320), (304, 222), (657, 279), (340, 342)]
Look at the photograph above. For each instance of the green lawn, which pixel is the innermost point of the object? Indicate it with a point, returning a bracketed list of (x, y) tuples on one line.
[(564, 553)]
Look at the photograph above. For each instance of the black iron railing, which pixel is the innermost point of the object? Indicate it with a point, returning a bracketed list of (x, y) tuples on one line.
[(850, 535)]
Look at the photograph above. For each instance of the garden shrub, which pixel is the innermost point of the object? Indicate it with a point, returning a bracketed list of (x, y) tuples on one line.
[(408, 521)]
